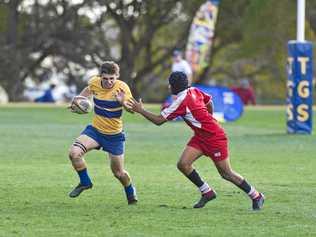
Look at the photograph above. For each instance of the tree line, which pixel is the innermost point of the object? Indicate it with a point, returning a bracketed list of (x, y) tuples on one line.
[(74, 36)]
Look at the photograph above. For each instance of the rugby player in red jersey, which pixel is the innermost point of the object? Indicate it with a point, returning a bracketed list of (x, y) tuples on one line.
[(196, 108)]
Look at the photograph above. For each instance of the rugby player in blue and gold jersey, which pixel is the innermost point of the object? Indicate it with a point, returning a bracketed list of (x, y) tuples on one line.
[(106, 130)]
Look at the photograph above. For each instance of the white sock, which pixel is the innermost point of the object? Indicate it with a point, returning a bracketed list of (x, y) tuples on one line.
[(205, 188), (253, 194)]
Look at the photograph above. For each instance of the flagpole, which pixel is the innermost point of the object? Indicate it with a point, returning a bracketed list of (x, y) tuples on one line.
[(300, 34)]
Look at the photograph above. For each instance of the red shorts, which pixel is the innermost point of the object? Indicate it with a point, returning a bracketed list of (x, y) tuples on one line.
[(216, 149)]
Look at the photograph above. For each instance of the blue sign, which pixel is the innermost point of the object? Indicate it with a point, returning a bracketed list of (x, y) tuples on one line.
[(299, 87), (227, 104)]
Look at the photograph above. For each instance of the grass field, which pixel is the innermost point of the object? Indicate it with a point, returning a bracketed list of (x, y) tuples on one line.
[(36, 177)]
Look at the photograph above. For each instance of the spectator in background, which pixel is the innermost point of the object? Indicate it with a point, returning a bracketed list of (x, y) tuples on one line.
[(245, 92), (181, 65), (47, 97)]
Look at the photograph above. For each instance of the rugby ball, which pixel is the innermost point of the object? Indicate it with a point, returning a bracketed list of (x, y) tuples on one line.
[(81, 105)]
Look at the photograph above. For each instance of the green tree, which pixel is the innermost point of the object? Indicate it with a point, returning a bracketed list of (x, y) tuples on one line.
[(140, 35), (250, 41)]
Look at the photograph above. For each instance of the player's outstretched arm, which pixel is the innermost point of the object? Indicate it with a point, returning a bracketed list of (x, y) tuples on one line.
[(85, 92), (138, 107)]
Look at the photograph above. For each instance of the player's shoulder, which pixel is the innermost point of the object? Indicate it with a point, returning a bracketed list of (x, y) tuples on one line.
[(193, 89), (197, 93), (196, 90), (94, 80), (122, 84)]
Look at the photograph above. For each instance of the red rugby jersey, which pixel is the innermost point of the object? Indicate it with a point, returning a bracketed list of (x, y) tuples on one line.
[(190, 104)]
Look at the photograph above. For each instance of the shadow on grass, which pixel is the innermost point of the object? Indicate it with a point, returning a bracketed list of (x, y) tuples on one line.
[(172, 207)]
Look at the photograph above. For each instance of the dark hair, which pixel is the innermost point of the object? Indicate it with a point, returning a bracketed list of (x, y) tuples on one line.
[(109, 67), (178, 82), (52, 86), (177, 53)]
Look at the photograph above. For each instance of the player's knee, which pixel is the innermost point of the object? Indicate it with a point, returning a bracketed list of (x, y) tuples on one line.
[(179, 165), (119, 174), (75, 154), (77, 151), (183, 165)]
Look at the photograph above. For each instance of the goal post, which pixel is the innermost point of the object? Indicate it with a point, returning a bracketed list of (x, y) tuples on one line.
[(300, 79)]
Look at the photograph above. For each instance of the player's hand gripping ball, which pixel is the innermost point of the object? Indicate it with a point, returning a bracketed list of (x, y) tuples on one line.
[(80, 105)]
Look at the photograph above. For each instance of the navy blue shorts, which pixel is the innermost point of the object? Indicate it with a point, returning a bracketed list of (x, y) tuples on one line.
[(113, 144)]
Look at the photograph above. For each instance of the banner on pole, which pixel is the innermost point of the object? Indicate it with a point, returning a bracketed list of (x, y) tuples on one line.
[(299, 87), (201, 35)]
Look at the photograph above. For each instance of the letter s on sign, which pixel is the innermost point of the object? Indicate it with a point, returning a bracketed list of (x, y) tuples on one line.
[(302, 113)]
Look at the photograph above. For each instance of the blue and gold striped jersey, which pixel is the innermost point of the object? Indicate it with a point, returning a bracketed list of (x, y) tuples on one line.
[(107, 110)]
